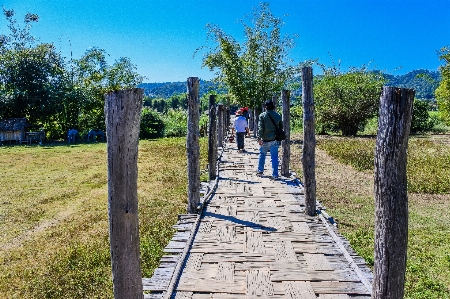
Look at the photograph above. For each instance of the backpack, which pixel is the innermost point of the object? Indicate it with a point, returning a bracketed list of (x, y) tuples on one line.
[(280, 134)]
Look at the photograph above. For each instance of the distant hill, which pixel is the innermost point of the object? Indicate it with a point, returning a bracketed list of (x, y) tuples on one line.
[(424, 82), (167, 89)]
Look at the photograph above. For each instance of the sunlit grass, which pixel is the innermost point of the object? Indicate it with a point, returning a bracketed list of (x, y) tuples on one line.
[(54, 215), (345, 187)]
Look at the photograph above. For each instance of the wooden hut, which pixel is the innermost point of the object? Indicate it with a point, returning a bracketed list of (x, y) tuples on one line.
[(13, 129)]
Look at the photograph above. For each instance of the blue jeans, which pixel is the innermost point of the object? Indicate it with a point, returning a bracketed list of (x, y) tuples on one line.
[(271, 146)]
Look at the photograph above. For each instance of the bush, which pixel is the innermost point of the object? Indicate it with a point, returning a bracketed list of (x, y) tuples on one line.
[(175, 121), (421, 121), (152, 126)]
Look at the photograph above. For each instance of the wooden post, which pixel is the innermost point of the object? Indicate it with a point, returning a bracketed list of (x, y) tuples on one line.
[(391, 199), (226, 114), (193, 146), (123, 115), (220, 125), (212, 138), (309, 141), (275, 102), (286, 144)]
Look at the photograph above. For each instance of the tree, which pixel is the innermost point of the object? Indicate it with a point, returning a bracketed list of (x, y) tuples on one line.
[(152, 125), (420, 121), (259, 67), (346, 101), (31, 75), (443, 91)]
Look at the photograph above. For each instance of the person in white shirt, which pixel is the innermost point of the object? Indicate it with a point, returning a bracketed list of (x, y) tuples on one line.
[(241, 128)]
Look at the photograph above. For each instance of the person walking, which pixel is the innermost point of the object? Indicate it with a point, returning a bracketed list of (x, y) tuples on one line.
[(241, 128), (266, 138)]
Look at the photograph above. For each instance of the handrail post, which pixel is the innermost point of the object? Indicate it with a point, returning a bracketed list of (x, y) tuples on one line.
[(212, 138), (286, 144), (220, 124), (122, 116), (309, 141), (391, 197), (193, 146)]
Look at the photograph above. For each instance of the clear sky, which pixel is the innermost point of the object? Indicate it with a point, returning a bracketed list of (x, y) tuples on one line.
[(161, 36)]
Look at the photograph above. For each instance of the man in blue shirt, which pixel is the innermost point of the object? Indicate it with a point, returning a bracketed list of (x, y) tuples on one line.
[(266, 138), (241, 128)]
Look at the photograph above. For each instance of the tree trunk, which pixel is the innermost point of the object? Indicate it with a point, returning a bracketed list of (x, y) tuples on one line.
[(286, 144), (391, 199), (193, 146), (123, 114), (309, 141)]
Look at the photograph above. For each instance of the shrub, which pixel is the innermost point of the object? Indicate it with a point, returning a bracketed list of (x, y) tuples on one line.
[(421, 121), (152, 126), (175, 121)]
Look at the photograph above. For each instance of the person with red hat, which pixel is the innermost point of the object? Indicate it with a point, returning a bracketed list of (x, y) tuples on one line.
[(241, 127)]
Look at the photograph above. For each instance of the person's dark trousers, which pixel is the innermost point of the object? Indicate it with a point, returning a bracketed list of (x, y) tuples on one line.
[(240, 137)]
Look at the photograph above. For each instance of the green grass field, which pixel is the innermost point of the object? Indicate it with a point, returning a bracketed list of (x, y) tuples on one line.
[(344, 174), (54, 218), (54, 215)]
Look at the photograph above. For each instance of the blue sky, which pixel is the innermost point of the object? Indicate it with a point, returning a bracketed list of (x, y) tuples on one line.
[(161, 36)]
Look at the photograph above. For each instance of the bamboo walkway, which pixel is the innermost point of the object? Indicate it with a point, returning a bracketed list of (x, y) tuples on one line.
[(253, 240)]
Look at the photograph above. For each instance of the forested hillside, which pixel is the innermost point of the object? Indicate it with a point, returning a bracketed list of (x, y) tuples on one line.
[(423, 81), (168, 89)]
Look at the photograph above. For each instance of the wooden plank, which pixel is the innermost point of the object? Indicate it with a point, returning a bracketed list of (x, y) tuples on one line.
[(334, 296), (317, 261), (299, 290), (211, 286), (258, 283)]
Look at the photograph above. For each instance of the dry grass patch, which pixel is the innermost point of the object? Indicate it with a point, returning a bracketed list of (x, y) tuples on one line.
[(348, 195), (54, 215)]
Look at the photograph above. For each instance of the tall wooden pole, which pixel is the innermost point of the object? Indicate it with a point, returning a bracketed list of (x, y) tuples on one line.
[(391, 198), (286, 144), (309, 141), (123, 115), (193, 146), (212, 138), (220, 130)]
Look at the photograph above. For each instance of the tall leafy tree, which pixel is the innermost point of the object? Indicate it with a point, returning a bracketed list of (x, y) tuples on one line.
[(31, 74), (346, 101), (252, 71), (443, 91)]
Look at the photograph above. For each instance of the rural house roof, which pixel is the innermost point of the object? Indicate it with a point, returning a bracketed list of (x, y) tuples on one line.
[(13, 124)]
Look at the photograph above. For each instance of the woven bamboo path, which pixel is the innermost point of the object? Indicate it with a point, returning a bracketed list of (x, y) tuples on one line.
[(253, 240)]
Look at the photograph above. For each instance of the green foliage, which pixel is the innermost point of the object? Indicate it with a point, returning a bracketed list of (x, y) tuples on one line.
[(428, 168), (296, 115), (54, 94), (443, 91), (152, 125), (421, 121), (257, 69), (346, 101), (175, 121), (352, 151), (424, 82)]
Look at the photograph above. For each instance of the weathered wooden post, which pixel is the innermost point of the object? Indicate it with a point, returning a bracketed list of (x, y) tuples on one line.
[(286, 144), (193, 146), (123, 115), (212, 138), (309, 141), (220, 125), (226, 114), (391, 198)]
